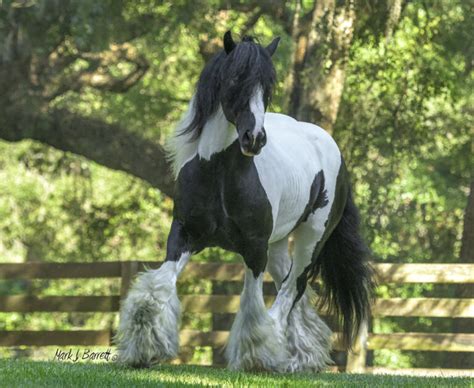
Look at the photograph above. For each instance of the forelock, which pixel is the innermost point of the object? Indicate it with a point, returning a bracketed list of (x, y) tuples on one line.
[(248, 66)]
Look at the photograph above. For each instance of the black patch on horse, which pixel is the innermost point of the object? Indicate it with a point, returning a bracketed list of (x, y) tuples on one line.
[(318, 198), (221, 202)]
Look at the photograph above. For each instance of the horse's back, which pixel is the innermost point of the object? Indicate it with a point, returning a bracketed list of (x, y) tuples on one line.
[(303, 136), (296, 152)]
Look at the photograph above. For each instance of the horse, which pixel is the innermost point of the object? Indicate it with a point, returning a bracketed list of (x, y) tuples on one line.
[(246, 180)]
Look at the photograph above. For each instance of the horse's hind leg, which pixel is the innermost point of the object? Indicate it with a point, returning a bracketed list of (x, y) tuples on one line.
[(255, 341), (150, 314), (279, 261), (308, 337)]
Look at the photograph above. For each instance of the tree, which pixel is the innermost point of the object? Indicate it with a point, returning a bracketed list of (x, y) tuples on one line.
[(323, 38), (51, 49), (46, 55)]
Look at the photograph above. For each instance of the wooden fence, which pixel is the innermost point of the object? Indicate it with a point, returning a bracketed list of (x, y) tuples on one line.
[(228, 304)]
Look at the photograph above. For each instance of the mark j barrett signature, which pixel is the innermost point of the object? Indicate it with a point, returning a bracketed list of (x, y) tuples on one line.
[(84, 355)]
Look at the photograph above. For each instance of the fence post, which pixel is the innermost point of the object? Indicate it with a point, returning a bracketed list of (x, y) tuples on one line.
[(357, 358), (128, 271), (221, 321)]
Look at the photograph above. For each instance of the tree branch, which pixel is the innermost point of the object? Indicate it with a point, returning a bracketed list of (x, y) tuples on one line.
[(99, 72), (106, 144)]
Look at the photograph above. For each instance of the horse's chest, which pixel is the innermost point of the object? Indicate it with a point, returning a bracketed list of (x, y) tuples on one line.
[(222, 203), (200, 207)]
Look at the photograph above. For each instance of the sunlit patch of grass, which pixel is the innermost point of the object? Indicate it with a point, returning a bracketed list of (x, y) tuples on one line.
[(57, 374)]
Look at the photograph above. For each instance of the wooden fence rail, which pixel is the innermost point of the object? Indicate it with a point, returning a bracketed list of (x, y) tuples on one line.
[(387, 273), (390, 307), (229, 304)]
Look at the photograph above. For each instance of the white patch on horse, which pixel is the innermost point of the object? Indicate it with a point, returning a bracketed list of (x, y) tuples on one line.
[(297, 151), (180, 147), (216, 136), (257, 107)]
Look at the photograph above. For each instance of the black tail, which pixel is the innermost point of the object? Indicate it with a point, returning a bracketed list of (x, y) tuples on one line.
[(346, 274)]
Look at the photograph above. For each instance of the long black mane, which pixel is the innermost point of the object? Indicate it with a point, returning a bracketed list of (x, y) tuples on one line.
[(234, 75)]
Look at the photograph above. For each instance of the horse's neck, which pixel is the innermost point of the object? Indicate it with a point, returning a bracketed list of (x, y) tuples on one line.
[(216, 136)]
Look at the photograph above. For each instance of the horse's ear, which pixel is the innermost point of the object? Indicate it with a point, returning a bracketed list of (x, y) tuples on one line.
[(229, 43), (271, 48)]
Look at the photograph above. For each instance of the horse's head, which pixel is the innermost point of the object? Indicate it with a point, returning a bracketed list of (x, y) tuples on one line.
[(246, 81)]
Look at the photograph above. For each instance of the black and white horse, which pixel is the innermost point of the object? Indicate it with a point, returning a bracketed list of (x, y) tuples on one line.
[(246, 180)]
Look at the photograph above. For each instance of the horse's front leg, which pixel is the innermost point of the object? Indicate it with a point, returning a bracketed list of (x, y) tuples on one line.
[(150, 315), (256, 341)]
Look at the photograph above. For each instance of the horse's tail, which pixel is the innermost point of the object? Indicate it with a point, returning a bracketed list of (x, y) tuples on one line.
[(347, 276)]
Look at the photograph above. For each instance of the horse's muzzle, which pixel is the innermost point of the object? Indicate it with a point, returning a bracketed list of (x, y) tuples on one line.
[(251, 144)]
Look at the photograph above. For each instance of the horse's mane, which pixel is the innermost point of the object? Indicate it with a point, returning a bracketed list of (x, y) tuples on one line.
[(240, 71)]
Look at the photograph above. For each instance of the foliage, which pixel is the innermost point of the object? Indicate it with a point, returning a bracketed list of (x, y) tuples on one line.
[(57, 207), (405, 126)]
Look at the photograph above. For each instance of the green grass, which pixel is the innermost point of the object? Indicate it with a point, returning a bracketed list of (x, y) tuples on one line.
[(63, 374)]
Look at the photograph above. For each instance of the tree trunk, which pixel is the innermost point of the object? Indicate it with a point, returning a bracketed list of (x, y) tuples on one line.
[(465, 325), (467, 247), (319, 63), (394, 13)]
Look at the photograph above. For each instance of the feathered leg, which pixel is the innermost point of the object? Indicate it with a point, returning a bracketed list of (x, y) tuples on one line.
[(308, 339), (255, 341), (150, 315)]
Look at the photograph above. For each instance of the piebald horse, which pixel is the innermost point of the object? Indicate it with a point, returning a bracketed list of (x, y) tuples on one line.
[(245, 180)]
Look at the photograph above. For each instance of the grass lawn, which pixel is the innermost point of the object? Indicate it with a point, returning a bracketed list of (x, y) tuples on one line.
[(63, 374)]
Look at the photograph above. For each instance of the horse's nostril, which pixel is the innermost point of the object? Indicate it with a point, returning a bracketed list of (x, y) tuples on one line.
[(261, 139), (247, 139)]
